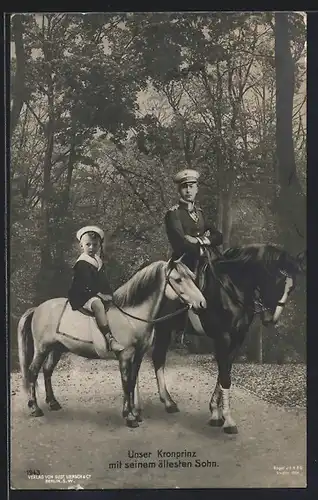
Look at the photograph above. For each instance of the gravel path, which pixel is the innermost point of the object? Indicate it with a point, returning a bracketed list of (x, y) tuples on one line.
[(89, 434), (284, 385)]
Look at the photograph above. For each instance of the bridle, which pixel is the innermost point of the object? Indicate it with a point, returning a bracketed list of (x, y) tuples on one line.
[(168, 282), (258, 306), (162, 318)]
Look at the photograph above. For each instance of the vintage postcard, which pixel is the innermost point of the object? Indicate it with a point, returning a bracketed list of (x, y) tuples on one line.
[(157, 250)]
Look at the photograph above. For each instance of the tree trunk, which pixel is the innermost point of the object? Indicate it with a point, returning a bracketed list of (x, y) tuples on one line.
[(291, 203), (254, 345), (259, 345), (226, 197), (18, 87), (219, 212), (46, 272), (61, 276), (44, 276)]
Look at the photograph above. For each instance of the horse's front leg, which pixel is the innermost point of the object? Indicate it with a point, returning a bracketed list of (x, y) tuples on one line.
[(215, 406), (159, 353), (224, 360)]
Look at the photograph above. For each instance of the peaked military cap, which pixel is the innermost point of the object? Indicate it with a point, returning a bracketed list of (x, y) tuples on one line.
[(185, 176), (89, 229)]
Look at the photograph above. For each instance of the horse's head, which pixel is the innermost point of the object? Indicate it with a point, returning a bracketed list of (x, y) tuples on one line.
[(276, 284), (180, 285)]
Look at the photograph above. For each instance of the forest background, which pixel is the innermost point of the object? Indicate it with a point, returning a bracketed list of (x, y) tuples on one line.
[(106, 107)]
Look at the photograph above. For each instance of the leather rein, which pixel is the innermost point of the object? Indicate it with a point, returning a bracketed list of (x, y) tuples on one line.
[(259, 306), (162, 318)]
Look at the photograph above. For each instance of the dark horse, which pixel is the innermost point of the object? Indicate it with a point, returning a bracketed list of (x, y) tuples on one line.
[(240, 279)]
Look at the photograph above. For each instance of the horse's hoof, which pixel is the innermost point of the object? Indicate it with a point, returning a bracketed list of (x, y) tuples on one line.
[(132, 424), (216, 422), (230, 430), (54, 406), (139, 417), (36, 412), (172, 409)]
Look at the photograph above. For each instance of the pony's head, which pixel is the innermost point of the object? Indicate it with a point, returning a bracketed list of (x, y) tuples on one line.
[(180, 285), (276, 280)]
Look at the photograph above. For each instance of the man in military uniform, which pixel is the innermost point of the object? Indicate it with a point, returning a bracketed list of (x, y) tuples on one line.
[(186, 227)]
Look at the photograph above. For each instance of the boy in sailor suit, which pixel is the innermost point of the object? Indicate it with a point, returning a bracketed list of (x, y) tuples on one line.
[(90, 289)]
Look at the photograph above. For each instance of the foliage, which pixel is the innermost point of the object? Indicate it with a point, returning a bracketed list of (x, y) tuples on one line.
[(112, 106)]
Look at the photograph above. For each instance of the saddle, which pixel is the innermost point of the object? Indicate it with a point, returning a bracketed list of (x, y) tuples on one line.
[(81, 326), (206, 260), (200, 282)]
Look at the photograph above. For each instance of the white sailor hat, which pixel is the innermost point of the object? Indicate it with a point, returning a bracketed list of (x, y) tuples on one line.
[(87, 229), (185, 176)]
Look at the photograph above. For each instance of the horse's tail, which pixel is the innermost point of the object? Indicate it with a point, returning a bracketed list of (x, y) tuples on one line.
[(25, 345)]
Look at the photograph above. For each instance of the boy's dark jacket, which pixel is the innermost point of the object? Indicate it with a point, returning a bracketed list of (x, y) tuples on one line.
[(88, 280)]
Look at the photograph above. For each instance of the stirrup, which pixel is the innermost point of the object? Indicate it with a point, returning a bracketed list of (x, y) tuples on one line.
[(110, 341)]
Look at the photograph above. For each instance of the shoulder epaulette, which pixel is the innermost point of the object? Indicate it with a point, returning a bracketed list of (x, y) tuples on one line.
[(175, 207)]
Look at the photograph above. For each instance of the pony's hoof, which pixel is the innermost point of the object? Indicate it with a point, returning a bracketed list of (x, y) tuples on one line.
[(139, 417), (216, 422), (231, 429), (132, 424), (54, 406), (36, 412), (172, 409)]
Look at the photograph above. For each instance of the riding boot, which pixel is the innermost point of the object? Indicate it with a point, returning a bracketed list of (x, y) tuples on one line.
[(112, 344), (201, 267)]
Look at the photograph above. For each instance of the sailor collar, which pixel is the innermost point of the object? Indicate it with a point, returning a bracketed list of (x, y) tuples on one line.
[(95, 261)]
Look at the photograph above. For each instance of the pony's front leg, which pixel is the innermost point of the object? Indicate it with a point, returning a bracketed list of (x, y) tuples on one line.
[(159, 353), (217, 419), (126, 371), (137, 401)]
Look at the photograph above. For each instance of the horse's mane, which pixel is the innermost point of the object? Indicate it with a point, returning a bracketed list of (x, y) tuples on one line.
[(271, 257), (139, 286)]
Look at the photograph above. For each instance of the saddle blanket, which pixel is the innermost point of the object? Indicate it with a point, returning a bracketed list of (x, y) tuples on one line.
[(79, 326)]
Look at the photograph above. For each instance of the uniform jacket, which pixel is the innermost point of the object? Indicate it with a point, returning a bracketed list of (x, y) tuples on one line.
[(89, 278), (179, 222)]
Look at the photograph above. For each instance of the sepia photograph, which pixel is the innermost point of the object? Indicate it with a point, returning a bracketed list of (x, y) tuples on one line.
[(157, 250)]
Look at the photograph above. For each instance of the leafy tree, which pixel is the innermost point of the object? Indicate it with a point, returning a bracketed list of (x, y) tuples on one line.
[(112, 105)]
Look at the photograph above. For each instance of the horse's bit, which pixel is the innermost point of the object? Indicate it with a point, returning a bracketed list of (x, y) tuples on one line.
[(260, 307)]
